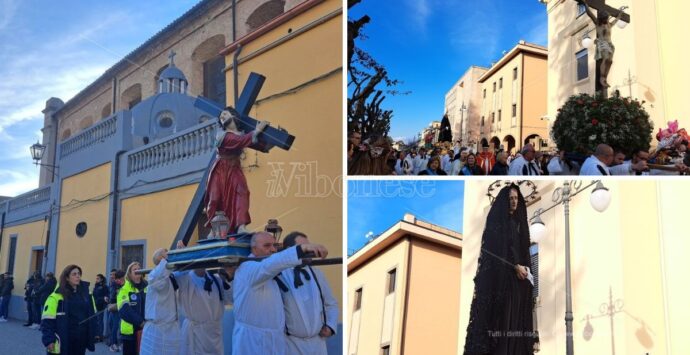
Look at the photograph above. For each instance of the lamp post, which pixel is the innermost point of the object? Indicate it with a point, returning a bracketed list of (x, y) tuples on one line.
[(37, 150), (599, 199)]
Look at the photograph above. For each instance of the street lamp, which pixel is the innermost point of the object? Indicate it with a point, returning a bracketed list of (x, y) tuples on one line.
[(37, 151), (600, 199), (587, 41)]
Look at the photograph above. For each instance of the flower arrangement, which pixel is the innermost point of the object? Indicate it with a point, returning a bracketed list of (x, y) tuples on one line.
[(585, 121)]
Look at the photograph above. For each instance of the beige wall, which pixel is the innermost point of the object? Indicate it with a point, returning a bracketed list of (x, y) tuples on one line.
[(90, 251), (465, 125), (372, 279), (28, 235), (433, 302), (627, 250), (649, 50)]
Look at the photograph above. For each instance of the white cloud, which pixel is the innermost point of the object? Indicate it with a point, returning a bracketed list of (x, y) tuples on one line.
[(13, 183)]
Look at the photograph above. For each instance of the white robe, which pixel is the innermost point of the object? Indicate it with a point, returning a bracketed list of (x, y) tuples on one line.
[(203, 311), (594, 167), (161, 335), (520, 166), (408, 165), (420, 164), (259, 315), (304, 312)]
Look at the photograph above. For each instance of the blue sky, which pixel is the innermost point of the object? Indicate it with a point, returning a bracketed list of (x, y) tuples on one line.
[(55, 49), (429, 44), (373, 206)]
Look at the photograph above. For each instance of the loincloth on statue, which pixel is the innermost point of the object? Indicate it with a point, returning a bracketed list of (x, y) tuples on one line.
[(604, 49)]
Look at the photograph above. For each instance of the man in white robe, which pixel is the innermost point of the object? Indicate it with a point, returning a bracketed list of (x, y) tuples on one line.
[(259, 315), (311, 311), (523, 164), (202, 297), (598, 164), (161, 335)]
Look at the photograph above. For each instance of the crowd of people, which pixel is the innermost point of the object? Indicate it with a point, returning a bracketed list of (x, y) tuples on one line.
[(281, 306), (376, 157)]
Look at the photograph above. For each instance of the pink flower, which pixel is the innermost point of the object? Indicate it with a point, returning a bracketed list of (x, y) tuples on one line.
[(594, 122)]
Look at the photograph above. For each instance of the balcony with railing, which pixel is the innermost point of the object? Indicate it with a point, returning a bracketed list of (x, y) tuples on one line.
[(27, 207), (30, 199), (89, 137), (191, 143)]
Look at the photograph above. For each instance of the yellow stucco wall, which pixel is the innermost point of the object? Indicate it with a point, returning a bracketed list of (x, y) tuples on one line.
[(29, 235), (300, 187), (633, 250), (91, 251), (372, 279), (432, 311), (149, 217)]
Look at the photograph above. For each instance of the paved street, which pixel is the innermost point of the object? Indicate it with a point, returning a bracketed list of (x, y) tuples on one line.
[(18, 340)]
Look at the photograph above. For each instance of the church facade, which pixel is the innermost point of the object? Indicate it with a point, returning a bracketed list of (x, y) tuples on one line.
[(131, 147)]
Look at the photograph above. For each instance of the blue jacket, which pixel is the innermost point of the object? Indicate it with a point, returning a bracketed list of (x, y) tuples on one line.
[(55, 322)]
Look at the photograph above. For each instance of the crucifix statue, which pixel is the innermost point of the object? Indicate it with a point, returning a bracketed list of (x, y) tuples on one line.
[(603, 42)]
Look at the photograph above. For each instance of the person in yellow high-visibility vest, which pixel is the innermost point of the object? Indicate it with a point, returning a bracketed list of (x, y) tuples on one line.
[(68, 323), (131, 302)]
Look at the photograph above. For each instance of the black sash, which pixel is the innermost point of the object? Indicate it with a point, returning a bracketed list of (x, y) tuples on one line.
[(602, 171)]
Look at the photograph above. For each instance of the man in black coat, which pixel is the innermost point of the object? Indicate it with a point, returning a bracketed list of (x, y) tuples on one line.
[(6, 293)]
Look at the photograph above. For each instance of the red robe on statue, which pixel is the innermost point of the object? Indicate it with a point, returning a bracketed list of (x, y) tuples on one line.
[(226, 188), (486, 162)]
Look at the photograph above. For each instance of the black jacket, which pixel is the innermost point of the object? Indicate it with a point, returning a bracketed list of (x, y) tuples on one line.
[(499, 169), (100, 291), (7, 286), (45, 290), (55, 320)]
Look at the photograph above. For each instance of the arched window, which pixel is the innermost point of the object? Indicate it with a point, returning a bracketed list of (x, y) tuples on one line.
[(264, 13), (85, 123), (106, 111), (209, 68), (131, 96), (65, 135)]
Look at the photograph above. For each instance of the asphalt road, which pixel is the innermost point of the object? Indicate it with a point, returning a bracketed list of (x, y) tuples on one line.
[(18, 340)]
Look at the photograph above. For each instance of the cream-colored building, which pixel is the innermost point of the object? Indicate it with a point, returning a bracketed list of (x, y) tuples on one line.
[(462, 105), (649, 62), (513, 93), (404, 291), (634, 252)]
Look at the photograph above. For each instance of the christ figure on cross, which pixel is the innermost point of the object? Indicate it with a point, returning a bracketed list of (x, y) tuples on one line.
[(605, 48)]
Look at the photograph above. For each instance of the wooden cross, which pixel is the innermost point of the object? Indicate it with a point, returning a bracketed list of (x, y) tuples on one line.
[(600, 5), (269, 138)]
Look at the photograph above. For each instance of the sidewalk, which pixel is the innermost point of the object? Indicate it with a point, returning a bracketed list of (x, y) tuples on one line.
[(18, 340)]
